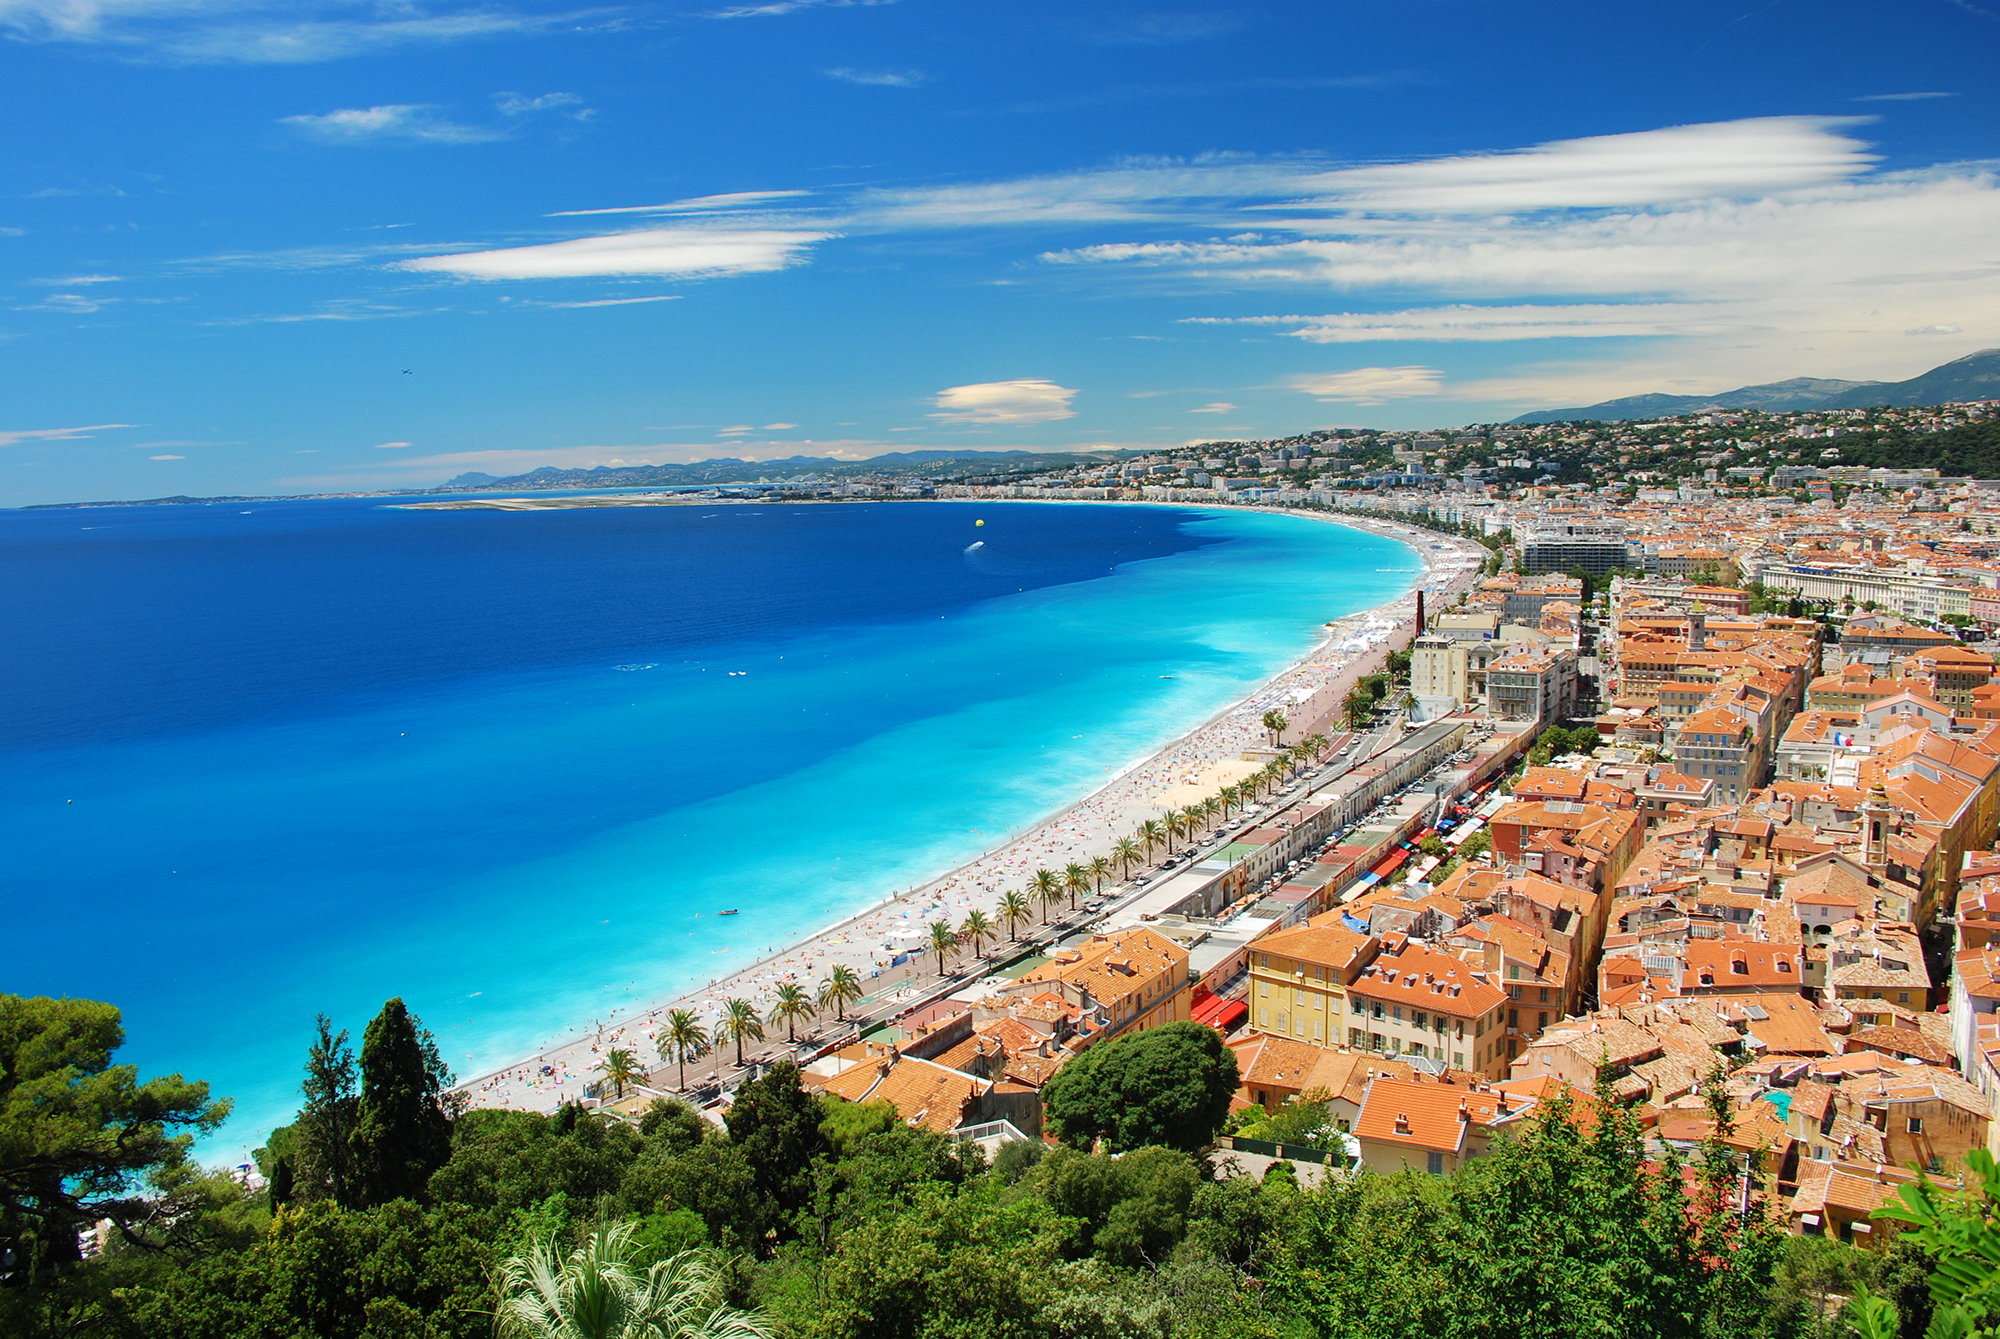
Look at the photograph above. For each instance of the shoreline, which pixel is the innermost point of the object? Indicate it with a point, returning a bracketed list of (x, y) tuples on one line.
[(866, 939)]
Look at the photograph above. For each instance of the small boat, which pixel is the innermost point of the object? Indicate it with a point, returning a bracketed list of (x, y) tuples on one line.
[(731, 912)]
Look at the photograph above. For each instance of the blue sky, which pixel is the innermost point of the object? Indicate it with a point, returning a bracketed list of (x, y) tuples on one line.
[(600, 233)]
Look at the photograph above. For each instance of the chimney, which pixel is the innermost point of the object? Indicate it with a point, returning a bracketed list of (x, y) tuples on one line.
[(1402, 1123), (1464, 1112)]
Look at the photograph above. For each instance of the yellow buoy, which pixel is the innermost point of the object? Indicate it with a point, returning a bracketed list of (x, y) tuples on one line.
[(979, 523)]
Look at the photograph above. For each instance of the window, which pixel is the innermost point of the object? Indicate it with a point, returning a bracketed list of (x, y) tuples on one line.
[(1937, 1163), (1264, 1017), (1902, 997), (1458, 1059), (1513, 1018), (1541, 1020), (1265, 960), (1434, 1163), (1397, 1011), (1916, 1125), (1375, 1009), (1265, 989), (1545, 995), (1417, 1019)]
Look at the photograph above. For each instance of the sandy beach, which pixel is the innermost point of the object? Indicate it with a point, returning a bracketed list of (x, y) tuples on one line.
[(869, 941)]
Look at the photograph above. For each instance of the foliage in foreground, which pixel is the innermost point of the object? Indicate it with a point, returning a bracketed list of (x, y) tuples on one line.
[(817, 1220)]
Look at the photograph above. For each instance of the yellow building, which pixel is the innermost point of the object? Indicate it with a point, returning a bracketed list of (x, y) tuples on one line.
[(1299, 979), (1134, 979)]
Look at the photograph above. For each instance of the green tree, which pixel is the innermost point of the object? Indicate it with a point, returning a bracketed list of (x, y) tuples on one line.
[(944, 941), (81, 1139), (600, 1292), (320, 1164), (776, 1124), (1168, 1085), (1275, 722), (1132, 1210), (1230, 797), (1151, 834), (1076, 882), (683, 1039), (841, 988), (1015, 908), (1100, 870), (975, 929), (790, 1007), (401, 1133), (739, 1023), (620, 1067), (1126, 852), (1047, 889), (1961, 1231)]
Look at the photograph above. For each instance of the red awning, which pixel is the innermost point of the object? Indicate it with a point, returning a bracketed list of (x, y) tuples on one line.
[(1391, 865)]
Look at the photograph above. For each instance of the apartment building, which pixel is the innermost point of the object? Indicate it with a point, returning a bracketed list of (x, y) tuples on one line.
[(1299, 979), (1430, 1005)]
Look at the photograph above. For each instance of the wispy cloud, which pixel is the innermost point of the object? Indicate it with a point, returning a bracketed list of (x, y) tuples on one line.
[(411, 122), (1900, 97), (391, 446), (1219, 407), (243, 32), (75, 304), (879, 78), (1166, 29), (1935, 330), (992, 402), (1370, 385), (1459, 323), (78, 280), (166, 457), (569, 104), (682, 252), (775, 8), (616, 302), (732, 202), (19, 435)]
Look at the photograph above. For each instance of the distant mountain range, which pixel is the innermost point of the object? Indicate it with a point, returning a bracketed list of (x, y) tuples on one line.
[(1973, 377), (951, 464)]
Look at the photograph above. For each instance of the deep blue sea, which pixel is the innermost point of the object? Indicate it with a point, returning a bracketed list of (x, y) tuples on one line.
[(264, 760)]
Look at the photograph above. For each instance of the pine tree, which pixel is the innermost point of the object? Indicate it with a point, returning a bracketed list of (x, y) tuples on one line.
[(401, 1134)]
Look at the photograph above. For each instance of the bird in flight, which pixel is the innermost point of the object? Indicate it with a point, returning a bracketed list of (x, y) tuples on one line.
[(406, 371)]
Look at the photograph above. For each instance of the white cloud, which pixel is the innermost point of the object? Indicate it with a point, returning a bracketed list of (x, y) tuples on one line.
[(683, 252), (19, 435), (78, 280), (616, 302), (1029, 401), (166, 457), (1370, 385), (416, 122), (74, 303), (879, 78), (732, 202), (778, 427), (1935, 330), (390, 446), (1219, 407), (243, 32), (513, 104), (1490, 324), (1901, 97), (775, 8)]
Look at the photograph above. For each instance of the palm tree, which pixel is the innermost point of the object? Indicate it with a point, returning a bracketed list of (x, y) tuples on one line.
[(1076, 879), (1048, 888), (1191, 819), (1231, 796), (1126, 852), (976, 928), (943, 940), (1319, 743), (1358, 703), (620, 1068), (1174, 825), (739, 1023), (1151, 834), (683, 1039), (791, 1005), (599, 1292), (1014, 908), (1275, 722), (840, 989), (1210, 808), (1100, 870)]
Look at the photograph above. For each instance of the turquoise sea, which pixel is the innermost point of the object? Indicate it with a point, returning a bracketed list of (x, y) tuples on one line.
[(265, 760)]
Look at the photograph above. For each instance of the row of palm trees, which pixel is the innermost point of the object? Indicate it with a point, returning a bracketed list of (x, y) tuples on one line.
[(685, 1038), (1187, 822)]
